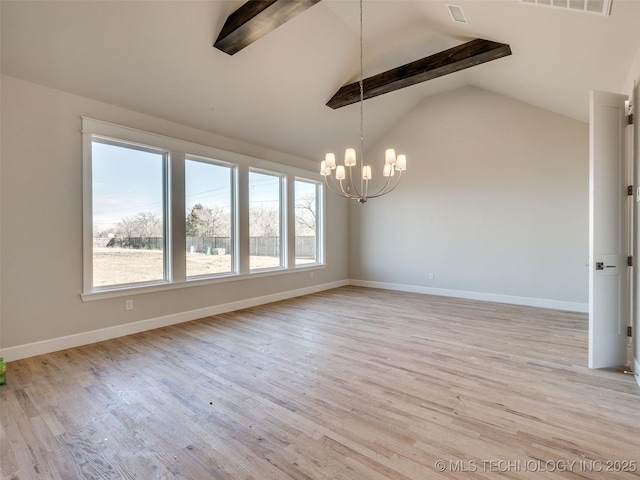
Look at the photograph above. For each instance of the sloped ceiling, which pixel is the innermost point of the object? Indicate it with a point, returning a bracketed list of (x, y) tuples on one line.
[(157, 57)]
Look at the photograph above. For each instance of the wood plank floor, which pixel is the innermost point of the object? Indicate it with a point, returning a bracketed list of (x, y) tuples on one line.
[(351, 383)]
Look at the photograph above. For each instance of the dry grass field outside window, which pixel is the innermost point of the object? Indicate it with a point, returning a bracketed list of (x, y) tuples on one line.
[(119, 266)]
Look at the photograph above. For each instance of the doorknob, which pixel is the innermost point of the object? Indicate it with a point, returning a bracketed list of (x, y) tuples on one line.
[(602, 266)]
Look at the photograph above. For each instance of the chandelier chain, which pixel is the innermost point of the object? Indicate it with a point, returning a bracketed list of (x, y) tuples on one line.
[(361, 92), (343, 173)]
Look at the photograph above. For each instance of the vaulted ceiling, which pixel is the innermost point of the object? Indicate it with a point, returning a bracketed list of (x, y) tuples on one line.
[(157, 57)]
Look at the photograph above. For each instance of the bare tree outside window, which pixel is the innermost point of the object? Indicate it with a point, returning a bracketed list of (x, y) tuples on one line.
[(141, 231), (265, 212), (128, 205), (209, 228), (264, 221), (207, 222), (306, 210)]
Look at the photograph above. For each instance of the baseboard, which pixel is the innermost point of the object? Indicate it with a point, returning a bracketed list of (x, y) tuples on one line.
[(85, 338), (487, 297), (55, 344)]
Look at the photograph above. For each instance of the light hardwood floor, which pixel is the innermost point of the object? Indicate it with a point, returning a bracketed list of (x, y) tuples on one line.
[(351, 383)]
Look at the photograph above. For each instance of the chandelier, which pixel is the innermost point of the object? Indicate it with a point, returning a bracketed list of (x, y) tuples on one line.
[(342, 181)]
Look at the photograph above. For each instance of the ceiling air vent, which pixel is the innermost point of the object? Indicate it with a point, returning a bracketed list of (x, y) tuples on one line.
[(598, 7), (457, 14)]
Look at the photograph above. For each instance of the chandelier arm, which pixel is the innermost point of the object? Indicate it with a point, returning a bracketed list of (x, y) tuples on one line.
[(329, 186), (342, 192), (333, 187), (384, 190), (357, 193)]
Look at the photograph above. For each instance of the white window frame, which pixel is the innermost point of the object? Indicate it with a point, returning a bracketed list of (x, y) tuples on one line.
[(166, 216), (233, 227), (282, 210), (175, 241)]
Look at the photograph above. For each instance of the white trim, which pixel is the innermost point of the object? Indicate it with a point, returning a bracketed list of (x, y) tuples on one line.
[(486, 297), (283, 216), (85, 338), (52, 345), (178, 151), (155, 141), (636, 369), (133, 289), (292, 220)]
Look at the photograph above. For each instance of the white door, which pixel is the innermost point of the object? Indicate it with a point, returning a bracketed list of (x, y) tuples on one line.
[(608, 239)]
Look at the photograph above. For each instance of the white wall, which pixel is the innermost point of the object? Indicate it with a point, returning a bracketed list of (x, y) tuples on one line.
[(495, 201), (41, 200)]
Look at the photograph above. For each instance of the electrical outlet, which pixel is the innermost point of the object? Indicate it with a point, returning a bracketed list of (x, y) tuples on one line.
[(128, 304), (431, 276)]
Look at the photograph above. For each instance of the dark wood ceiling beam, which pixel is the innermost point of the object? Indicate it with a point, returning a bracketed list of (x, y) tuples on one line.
[(448, 61), (255, 19)]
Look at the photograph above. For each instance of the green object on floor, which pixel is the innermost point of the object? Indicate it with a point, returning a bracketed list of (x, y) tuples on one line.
[(3, 371)]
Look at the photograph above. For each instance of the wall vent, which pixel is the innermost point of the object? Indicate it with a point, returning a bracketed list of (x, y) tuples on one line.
[(597, 7), (457, 15)]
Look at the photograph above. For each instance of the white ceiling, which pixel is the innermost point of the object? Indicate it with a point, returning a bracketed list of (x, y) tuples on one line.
[(156, 57)]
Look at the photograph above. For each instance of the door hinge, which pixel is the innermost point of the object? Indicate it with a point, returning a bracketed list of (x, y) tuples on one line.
[(630, 261), (630, 118), (629, 331), (630, 190)]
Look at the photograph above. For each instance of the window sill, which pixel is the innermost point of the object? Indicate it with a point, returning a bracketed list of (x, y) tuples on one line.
[(129, 290)]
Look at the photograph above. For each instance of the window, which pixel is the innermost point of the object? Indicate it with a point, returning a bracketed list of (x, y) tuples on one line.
[(128, 214), (265, 220), (160, 213), (306, 229), (209, 218)]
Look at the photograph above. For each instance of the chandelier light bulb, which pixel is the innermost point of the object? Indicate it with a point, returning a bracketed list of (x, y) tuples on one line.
[(350, 157), (401, 163), (390, 157), (330, 160)]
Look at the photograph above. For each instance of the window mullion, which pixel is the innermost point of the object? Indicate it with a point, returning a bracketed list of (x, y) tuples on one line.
[(176, 233), (290, 229), (242, 217), (320, 224)]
